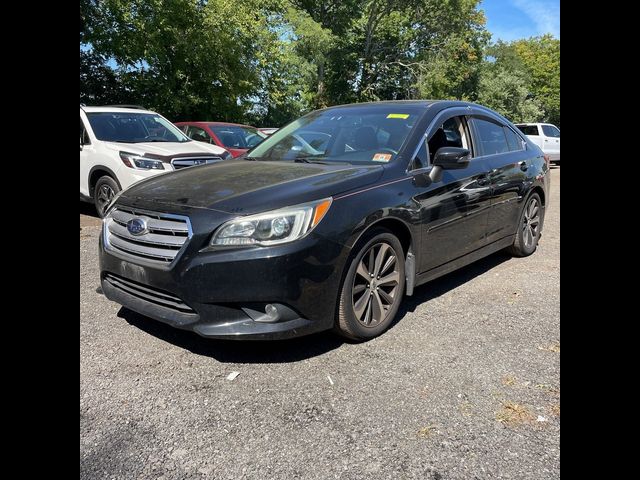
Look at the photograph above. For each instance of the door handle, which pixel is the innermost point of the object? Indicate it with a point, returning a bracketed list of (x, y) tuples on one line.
[(523, 166)]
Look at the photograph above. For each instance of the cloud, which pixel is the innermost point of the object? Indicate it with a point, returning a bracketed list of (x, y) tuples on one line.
[(544, 14)]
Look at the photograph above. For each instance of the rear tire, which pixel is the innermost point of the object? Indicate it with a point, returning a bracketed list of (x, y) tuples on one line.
[(529, 228), (105, 189), (372, 288)]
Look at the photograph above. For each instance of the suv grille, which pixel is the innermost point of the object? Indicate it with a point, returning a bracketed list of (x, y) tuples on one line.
[(164, 236), (149, 294), (183, 162)]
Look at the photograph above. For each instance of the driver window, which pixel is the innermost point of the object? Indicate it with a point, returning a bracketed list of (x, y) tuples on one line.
[(452, 133)]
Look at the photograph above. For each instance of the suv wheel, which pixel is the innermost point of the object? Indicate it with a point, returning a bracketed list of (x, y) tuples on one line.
[(372, 288), (106, 188)]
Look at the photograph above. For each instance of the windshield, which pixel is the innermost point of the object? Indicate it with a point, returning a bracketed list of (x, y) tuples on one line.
[(134, 127), (357, 134), (233, 136)]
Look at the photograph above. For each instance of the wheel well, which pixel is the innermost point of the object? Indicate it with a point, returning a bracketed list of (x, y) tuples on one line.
[(396, 227), (96, 175), (540, 192)]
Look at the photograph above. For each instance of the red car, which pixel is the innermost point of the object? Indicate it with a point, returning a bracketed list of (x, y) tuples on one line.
[(236, 138)]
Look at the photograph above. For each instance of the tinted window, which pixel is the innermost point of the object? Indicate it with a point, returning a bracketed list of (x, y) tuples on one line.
[(551, 131), (514, 141), (492, 137), (528, 129)]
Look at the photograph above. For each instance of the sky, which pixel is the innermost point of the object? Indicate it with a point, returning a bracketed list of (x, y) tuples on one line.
[(514, 19)]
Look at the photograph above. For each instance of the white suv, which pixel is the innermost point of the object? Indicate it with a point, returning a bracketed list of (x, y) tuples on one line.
[(122, 145), (546, 136)]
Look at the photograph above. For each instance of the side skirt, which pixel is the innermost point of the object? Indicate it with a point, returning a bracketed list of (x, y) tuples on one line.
[(463, 261)]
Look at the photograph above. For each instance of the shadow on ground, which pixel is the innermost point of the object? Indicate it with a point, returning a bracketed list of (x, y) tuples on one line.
[(293, 350), (88, 209)]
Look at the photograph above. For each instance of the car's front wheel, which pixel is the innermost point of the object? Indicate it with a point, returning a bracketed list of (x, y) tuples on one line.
[(372, 288), (103, 193)]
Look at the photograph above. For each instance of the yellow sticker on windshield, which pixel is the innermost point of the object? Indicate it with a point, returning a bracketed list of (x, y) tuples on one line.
[(398, 115), (381, 157)]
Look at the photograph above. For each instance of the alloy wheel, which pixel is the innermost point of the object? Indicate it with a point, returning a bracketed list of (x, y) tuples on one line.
[(531, 223), (105, 194), (375, 284)]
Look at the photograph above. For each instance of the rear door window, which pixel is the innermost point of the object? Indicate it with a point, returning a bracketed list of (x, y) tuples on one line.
[(513, 140), (528, 129), (492, 138)]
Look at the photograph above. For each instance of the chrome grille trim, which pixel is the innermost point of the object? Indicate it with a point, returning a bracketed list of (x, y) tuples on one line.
[(184, 162), (165, 237)]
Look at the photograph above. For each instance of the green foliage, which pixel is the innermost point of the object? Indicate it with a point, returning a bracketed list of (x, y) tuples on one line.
[(533, 65), (268, 61), (507, 93)]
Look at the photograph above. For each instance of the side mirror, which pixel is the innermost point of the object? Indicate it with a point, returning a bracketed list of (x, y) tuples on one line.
[(81, 144), (451, 158)]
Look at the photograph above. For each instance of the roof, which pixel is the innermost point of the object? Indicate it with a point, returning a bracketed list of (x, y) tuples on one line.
[(114, 109), (215, 124)]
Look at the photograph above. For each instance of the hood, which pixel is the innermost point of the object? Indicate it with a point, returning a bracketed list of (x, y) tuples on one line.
[(243, 187), (162, 150)]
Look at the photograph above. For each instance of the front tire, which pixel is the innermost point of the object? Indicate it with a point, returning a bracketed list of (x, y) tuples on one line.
[(529, 228), (372, 288), (103, 193)]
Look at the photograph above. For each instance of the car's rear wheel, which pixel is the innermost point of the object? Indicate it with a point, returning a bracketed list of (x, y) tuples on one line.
[(104, 191), (529, 228), (373, 287)]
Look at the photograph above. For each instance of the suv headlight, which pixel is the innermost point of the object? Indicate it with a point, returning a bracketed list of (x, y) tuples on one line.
[(138, 162), (272, 228)]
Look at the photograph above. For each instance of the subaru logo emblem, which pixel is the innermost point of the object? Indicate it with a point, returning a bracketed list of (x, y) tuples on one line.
[(137, 226)]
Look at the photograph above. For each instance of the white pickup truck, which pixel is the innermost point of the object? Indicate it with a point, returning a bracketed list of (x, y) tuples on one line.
[(546, 136)]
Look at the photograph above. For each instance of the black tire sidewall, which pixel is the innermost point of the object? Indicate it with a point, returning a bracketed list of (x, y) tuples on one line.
[(346, 323), (101, 181)]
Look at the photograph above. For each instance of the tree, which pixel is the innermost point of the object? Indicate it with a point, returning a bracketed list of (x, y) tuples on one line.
[(507, 93), (535, 62)]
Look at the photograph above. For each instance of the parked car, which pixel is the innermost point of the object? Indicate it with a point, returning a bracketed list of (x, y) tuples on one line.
[(546, 136), (268, 131), (122, 145), (287, 241), (236, 138)]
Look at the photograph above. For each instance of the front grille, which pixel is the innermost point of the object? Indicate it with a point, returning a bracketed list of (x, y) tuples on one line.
[(148, 293), (164, 237), (183, 162)]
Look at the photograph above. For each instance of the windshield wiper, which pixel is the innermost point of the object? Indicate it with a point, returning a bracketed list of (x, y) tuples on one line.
[(315, 160)]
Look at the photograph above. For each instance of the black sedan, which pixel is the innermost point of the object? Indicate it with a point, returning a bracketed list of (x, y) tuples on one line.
[(294, 238)]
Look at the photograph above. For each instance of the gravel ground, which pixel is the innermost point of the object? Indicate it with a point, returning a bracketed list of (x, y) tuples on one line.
[(464, 386)]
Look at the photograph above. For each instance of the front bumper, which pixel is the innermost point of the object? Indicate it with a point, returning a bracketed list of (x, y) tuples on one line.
[(225, 293)]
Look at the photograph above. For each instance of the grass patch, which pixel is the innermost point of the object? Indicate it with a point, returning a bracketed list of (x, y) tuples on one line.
[(426, 432), (554, 347), (514, 414)]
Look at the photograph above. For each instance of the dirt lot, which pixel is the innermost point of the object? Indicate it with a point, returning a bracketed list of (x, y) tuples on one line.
[(464, 386)]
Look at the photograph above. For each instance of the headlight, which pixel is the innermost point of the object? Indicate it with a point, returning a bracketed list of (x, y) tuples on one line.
[(272, 228), (132, 160)]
